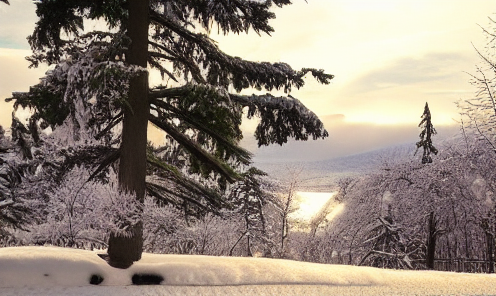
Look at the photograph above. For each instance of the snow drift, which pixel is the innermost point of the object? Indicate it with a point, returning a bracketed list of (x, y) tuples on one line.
[(51, 269)]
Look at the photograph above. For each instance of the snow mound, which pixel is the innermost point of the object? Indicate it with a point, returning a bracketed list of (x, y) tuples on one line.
[(61, 271), (53, 266)]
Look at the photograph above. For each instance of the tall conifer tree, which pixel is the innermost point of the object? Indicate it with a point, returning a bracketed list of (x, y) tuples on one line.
[(198, 113), (425, 142), (426, 134)]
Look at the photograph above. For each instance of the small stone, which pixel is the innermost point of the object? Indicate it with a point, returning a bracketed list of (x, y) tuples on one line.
[(147, 279), (96, 279)]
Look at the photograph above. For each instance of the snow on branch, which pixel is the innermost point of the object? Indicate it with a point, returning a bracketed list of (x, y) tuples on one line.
[(194, 49), (67, 16), (281, 118), (6, 203), (92, 72), (230, 16)]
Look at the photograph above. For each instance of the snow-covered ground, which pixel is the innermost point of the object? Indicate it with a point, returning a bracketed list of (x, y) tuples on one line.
[(62, 271)]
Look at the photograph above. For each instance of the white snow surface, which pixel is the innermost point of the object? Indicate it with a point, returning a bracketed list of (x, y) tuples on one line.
[(64, 271)]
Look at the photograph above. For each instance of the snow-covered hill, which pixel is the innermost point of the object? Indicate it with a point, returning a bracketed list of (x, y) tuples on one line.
[(62, 271), (322, 175)]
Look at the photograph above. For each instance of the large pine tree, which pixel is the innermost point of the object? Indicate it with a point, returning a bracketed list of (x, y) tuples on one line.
[(107, 71)]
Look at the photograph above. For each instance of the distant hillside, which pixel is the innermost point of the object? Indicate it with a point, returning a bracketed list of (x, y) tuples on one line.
[(323, 175)]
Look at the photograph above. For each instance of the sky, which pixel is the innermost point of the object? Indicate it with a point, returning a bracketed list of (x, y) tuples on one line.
[(389, 58)]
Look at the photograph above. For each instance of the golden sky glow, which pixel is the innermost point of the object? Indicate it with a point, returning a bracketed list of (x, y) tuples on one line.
[(389, 57)]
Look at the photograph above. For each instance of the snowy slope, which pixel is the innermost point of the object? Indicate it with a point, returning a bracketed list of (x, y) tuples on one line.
[(60, 271), (322, 175)]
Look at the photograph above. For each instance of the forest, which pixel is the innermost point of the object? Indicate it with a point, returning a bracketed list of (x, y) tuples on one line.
[(80, 172)]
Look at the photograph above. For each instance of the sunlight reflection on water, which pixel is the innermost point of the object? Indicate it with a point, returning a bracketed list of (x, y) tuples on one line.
[(310, 203)]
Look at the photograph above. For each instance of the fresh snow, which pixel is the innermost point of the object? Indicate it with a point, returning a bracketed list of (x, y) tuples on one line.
[(63, 271)]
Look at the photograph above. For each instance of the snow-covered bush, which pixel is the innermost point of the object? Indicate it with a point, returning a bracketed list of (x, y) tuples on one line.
[(82, 214)]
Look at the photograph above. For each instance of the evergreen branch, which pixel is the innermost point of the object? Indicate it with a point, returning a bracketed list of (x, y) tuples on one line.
[(171, 92), (234, 16), (192, 188), (281, 118), (158, 163), (160, 192), (57, 16), (154, 54), (87, 156), (163, 48), (242, 155), (193, 68), (179, 179), (196, 150), (113, 122), (157, 65), (105, 163), (225, 70)]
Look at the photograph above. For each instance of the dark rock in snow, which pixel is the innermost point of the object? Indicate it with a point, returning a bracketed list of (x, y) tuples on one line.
[(96, 279), (147, 279)]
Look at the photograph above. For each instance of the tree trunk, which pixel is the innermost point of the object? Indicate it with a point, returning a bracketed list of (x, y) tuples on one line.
[(490, 228), (248, 247), (490, 251), (124, 250), (236, 243), (284, 232), (431, 242)]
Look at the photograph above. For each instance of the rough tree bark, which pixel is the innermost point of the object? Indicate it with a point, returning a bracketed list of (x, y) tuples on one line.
[(124, 250)]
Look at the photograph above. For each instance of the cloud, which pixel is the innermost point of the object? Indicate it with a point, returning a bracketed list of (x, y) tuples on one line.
[(17, 21), (397, 91), (432, 68)]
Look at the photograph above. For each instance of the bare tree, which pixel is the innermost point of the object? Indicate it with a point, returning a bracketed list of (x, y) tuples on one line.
[(288, 205)]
